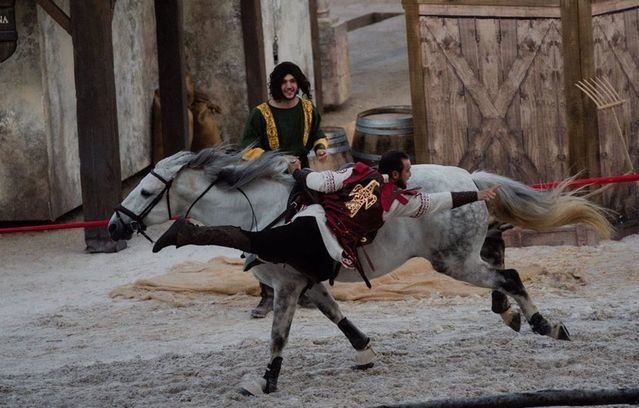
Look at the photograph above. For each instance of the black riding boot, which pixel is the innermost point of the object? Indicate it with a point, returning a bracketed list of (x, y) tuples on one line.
[(266, 303), (183, 233)]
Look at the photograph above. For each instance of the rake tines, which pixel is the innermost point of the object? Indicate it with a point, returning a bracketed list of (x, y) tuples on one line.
[(602, 93)]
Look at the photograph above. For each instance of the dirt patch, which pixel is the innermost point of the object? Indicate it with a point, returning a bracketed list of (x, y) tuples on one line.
[(414, 280)]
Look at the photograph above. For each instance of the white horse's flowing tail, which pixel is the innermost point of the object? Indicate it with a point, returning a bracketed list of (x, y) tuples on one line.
[(523, 206)]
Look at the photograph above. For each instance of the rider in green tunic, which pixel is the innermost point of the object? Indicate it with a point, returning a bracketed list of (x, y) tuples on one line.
[(289, 123)]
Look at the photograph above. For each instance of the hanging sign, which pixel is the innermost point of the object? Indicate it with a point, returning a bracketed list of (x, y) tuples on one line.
[(8, 32)]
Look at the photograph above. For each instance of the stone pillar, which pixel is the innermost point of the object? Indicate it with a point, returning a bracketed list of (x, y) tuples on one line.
[(336, 76)]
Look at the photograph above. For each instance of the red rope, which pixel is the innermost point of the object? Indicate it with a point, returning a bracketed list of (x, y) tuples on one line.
[(79, 224), (540, 186), (85, 224), (588, 181)]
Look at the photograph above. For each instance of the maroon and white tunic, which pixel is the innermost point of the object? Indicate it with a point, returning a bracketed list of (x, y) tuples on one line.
[(393, 202)]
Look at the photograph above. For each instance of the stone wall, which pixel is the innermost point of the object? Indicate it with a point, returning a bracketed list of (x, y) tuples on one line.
[(215, 58), (136, 78), (62, 133), (39, 162), (24, 181)]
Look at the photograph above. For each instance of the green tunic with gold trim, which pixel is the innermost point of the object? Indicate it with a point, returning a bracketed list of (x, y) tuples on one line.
[(293, 131)]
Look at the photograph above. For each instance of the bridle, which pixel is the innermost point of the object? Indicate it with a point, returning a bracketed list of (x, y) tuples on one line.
[(137, 220)]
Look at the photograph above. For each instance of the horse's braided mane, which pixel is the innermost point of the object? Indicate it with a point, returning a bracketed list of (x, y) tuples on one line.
[(224, 163)]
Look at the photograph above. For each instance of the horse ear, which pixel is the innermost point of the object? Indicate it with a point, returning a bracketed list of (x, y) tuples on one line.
[(175, 169)]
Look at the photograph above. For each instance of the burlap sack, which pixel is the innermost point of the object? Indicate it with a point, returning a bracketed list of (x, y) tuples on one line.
[(203, 128), (206, 132)]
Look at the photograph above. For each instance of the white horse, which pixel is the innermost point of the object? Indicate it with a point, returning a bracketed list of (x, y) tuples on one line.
[(227, 190)]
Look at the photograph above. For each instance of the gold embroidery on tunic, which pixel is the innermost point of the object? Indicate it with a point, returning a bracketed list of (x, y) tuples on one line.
[(307, 106), (362, 197), (271, 129)]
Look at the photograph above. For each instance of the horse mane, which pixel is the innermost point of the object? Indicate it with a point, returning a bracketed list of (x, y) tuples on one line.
[(224, 163)]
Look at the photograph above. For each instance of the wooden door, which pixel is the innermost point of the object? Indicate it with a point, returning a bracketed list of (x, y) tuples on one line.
[(494, 95)]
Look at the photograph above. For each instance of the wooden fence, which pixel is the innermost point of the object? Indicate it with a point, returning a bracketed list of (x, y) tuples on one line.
[(493, 87)]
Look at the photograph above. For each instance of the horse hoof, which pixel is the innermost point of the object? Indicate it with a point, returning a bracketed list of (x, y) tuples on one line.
[(515, 323), (253, 387), (364, 359), (512, 318), (560, 332)]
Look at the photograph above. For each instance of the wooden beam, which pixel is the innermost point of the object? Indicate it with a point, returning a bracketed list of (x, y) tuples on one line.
[(253, 36), (581, 113), (600, 7), (490, 3), (57, 14), (317, 61), (97, 118), (368, 19), (416, 74), (170, 40), (496, 11)]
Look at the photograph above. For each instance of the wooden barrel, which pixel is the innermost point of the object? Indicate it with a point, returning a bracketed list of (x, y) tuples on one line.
[(382, 129), (339, 153)]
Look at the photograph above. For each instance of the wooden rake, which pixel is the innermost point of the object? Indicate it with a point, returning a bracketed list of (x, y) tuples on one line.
[(601, 92)]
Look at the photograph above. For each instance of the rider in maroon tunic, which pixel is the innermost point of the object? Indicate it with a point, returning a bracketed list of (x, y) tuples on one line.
[(353, 205)]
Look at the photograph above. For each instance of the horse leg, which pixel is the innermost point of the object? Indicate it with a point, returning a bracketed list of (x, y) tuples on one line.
[(493, 251), (364, 354), (503, 308), (506, 281), (286, 295), (511, 284)]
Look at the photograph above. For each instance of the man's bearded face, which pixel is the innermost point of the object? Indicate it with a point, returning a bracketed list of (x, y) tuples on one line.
[(289, 87), (402, 181)]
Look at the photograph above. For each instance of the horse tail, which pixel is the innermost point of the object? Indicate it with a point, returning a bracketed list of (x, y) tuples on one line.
[(541, 210)]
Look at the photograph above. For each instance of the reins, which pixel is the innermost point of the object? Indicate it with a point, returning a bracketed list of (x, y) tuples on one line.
[(137, 223), (199, 197)]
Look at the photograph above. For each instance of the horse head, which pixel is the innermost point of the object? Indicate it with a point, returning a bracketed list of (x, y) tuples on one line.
[(217, 179), (150, 201)]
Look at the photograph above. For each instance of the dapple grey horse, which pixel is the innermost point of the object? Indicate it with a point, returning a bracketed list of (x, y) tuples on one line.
[(223, 189)]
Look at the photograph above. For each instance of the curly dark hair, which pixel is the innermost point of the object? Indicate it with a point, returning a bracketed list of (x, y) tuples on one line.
[(278, 74), (392, 161)]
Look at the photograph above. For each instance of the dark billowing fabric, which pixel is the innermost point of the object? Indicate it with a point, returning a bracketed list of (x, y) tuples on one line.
[(298, 244)]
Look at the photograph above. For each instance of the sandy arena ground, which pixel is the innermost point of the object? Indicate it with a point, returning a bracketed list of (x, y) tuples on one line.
[(65, 342)]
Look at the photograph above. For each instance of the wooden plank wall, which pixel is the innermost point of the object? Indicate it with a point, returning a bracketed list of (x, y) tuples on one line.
[(616, 46), (494, 95)]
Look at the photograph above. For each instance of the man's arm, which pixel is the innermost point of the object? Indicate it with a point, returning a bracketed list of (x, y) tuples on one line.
[(422, 204), (323, 181), (319, 143)]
